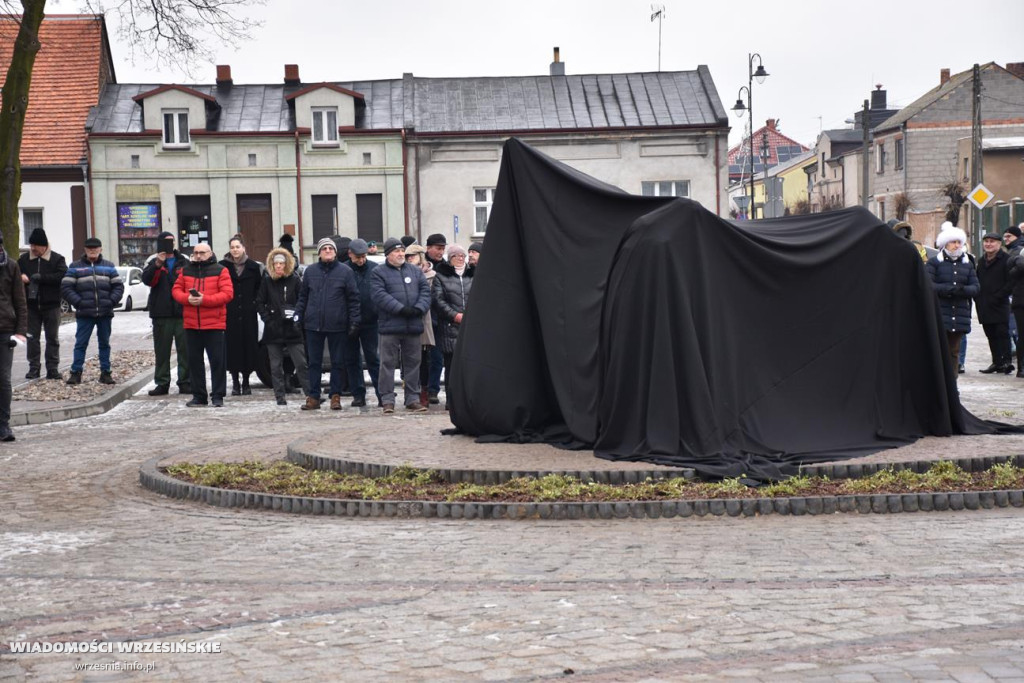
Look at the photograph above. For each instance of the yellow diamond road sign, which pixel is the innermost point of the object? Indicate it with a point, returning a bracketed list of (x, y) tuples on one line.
[(980, 196)]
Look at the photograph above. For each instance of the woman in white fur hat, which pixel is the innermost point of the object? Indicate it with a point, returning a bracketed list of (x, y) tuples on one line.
[(955, 282)]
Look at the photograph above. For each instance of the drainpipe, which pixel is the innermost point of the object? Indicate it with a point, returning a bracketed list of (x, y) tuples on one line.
[(419, 206), (298, 194), (86, 175), (405, 180), (718, 180)]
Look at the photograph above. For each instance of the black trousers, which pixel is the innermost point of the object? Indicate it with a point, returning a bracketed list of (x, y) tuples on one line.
[(45, 323), (212, 343), (999, 343)]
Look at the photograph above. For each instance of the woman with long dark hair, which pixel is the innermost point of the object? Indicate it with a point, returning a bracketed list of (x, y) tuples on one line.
[(241, 337)]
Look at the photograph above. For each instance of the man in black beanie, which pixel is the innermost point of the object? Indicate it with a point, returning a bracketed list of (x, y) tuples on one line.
[(474, 251), (42, 269)]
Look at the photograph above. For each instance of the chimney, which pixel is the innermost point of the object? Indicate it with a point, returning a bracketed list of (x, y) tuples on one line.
[(943, 77), (291, 74), (771, 124), (878, 97), (224, 75), (1016, 68), (557, 66)]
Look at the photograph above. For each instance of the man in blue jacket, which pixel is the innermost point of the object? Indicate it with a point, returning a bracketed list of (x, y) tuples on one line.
[(328, 309), (401, 294), (93, 287), (367, 338)]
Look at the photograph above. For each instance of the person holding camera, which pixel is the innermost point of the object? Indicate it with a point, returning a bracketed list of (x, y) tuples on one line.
[(162, 270), (204, 289), (13, 326), (276, 301), (42, 270)]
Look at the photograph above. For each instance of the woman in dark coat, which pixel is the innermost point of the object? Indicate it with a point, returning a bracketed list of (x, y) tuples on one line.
[(450, 292), (278, 295), (955, 283), (241, 336)]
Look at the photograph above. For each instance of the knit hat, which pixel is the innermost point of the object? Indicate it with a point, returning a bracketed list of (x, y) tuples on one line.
[(391, 244), (38, 238), (93, 242), (325, 242), (1013, 230), (950, 232), (414, 249), (285, 238), (280, 258), (454, 249), (359, 247), (437, 239), (407, 240), (478, 247)]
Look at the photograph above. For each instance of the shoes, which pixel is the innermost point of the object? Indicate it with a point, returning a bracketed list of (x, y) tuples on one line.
[(54, 374), (416, 408), (195, 403), (236, 388), (281, 401), (105, 378), (1006, 369), (960, 369), (218, 403), (1020, 371), (246, 391), (32, 374), (359, 403), (311, 403), (161, 390), (990, 369), (387, 408), (184, 388), (432, 398), (75, 377), (5, 433), (335, 401), (424, 397)]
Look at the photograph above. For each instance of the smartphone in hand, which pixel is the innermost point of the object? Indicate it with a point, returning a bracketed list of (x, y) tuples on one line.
[(194, 291)]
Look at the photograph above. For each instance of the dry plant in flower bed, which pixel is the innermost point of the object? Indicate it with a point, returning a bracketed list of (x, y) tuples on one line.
[(407, 483)]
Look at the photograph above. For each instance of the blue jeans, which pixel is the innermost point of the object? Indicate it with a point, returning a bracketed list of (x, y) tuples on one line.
[(335, 342), (963, 351), (82, 335), (368, 341)]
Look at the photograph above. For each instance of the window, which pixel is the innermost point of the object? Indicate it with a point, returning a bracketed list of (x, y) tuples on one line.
[(665, 188), (135, 161), (367, 159), (325, 126), (252, 159), (483, 197), (879, 157), (899, 154), (176, 128), (30, 220), (881, 211)]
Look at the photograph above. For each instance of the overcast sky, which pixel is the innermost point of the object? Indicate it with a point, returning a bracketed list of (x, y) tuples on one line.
[(823, 57)]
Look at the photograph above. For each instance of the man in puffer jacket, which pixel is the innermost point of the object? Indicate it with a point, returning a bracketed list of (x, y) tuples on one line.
[(93, 287), (402, 296), (204, 289), (955, 281)]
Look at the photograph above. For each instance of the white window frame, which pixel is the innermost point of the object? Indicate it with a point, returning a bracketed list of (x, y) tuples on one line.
[(322, 132), (655, 188), (486, 204), (25, 232), (179, 139)]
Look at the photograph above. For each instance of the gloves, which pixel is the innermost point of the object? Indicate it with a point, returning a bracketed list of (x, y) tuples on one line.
[(958, 290), (295, 318), (35, 277), (353, 331), (409, 311)]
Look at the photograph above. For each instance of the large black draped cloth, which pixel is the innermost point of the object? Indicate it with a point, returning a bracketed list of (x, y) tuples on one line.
[(650, 329)]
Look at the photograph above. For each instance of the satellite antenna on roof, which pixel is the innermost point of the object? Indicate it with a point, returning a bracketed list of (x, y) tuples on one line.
[(658, 12)]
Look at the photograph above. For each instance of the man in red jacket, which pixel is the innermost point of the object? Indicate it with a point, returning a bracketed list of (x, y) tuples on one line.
[(204, 289)]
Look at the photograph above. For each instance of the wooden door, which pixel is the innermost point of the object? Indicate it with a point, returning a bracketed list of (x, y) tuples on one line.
[(256, 224), (370, 217)]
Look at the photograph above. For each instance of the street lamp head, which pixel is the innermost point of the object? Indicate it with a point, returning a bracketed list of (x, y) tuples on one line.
[(739, 108), (760, 74)]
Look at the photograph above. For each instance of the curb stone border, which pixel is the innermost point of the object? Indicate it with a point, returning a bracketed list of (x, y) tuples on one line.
[(96, 406), (315, 461), (858, 470), (882, 503)]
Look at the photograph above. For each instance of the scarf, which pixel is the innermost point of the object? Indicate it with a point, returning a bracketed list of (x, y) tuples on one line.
[(239, 263), (461, 270), (954, 255)]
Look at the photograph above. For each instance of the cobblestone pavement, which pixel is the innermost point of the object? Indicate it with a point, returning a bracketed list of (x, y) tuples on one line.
[(85, 554)]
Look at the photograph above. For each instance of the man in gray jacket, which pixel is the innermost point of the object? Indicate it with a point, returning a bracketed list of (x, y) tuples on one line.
[(402, 296)]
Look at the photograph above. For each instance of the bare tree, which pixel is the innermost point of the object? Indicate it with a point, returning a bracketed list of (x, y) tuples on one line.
[(902, 204), (173, 33)]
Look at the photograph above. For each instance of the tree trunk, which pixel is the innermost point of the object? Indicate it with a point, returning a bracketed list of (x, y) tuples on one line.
[(13, 105)]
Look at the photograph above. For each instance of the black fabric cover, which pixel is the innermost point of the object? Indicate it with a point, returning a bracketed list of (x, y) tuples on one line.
[(650, 329)]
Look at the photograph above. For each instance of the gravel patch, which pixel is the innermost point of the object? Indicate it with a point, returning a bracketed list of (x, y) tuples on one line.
[(123, 366)]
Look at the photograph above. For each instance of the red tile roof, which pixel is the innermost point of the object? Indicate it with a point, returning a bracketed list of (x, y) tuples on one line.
[(67, 79), (775, 139)]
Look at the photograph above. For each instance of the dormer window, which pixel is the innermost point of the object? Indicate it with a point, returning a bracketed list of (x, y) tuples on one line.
[(176, 128), (325, 126)]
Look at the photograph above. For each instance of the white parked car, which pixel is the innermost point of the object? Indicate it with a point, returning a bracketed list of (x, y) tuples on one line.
[(136, 294)]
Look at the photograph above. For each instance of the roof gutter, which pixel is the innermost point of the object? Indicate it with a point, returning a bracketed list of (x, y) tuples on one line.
[(87, 174), (298, 193)]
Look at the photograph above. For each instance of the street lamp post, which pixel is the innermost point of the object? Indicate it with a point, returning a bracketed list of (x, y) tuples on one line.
[(760, 74)]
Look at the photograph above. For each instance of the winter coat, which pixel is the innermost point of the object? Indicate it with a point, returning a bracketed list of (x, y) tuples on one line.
[(427, 337), (276, 301), (450, 294), (212, 280), (994, 298), (367, 311), (92, 288), (395, 288), (955, 283), (46, 273), (241, 334), (329, 298), (13, 305), (1015, 263), (160, 282)]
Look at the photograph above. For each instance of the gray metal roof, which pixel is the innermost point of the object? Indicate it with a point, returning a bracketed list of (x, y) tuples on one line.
[(452, 105)]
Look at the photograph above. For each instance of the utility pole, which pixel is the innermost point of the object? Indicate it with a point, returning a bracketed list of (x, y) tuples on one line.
[(977, 174), (864, 122)]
